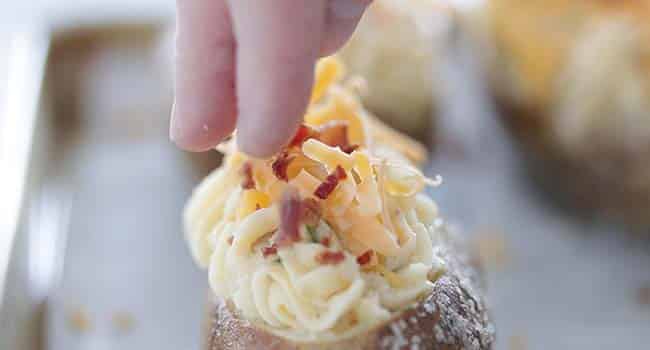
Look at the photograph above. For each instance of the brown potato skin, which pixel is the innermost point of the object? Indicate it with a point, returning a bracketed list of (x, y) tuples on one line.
[(600, 184), (452, 317)]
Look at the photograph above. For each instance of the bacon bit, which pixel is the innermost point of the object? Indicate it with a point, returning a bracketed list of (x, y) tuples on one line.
[(303, 133), (330, 258), (325, 241), (293, 213), (349, 148), (310, 212), (335, 134), (280, 166), (257, 206), (270, 250), (327, 187), (247, 172), (230, 239), (290, 214), (365, 257), (340, 173), (323, 191)]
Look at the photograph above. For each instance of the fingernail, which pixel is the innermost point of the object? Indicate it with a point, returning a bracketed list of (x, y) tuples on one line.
[(347, 8), (260, 147), (182, 136), (175, 133)]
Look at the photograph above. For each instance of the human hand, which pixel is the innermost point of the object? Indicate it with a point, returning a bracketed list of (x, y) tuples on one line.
[(250, 64)]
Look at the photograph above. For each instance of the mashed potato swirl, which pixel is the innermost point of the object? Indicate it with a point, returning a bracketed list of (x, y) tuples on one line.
[(326, 239)]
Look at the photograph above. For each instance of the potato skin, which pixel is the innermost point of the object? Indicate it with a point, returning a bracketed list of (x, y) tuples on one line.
[(600, 184), (452, 317)]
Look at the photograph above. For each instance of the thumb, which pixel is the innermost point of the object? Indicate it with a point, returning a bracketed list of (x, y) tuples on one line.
[(340, 22)]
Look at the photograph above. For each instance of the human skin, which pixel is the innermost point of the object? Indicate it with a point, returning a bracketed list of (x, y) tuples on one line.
[(248, 64)]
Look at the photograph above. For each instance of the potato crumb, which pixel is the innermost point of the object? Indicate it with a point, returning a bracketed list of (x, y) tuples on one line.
[(79, 321), (491, 247), (123, 321), (517, 342)]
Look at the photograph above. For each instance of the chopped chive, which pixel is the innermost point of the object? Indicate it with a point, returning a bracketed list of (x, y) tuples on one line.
[(312, 233)]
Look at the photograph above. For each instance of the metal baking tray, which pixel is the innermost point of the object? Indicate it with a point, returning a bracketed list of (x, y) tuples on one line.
[(97, 258)]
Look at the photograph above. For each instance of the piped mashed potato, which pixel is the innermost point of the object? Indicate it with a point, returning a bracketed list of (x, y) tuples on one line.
[(408, 36), (328, 238)]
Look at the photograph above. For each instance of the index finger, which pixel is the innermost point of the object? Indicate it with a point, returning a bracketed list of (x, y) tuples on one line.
[(278, 42), (204, 109)]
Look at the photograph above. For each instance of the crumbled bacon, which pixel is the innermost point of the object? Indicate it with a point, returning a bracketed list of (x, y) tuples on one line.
[(335, 134), (349, 148), (329, 257), (331, 181), (280, 166), (310, 212), (257, 206), (270, 250), (365, 257), (247, 172), (290, 211), (294, 212), (230, 239), (340, 173), (325, 241), (303, 133)]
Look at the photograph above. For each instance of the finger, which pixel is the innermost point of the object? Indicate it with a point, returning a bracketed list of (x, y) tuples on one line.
[(341, 21), (205, 106), (278, 42)]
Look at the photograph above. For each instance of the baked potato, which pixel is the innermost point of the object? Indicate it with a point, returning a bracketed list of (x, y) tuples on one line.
[(332, 242), (397, 48), (572, 80), (452, 317)]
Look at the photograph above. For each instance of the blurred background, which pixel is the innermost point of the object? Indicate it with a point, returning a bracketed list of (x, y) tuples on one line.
[(537, 115)]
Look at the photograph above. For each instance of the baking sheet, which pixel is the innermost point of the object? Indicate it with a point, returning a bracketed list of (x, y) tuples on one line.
[(100, 254), (100, 263)]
